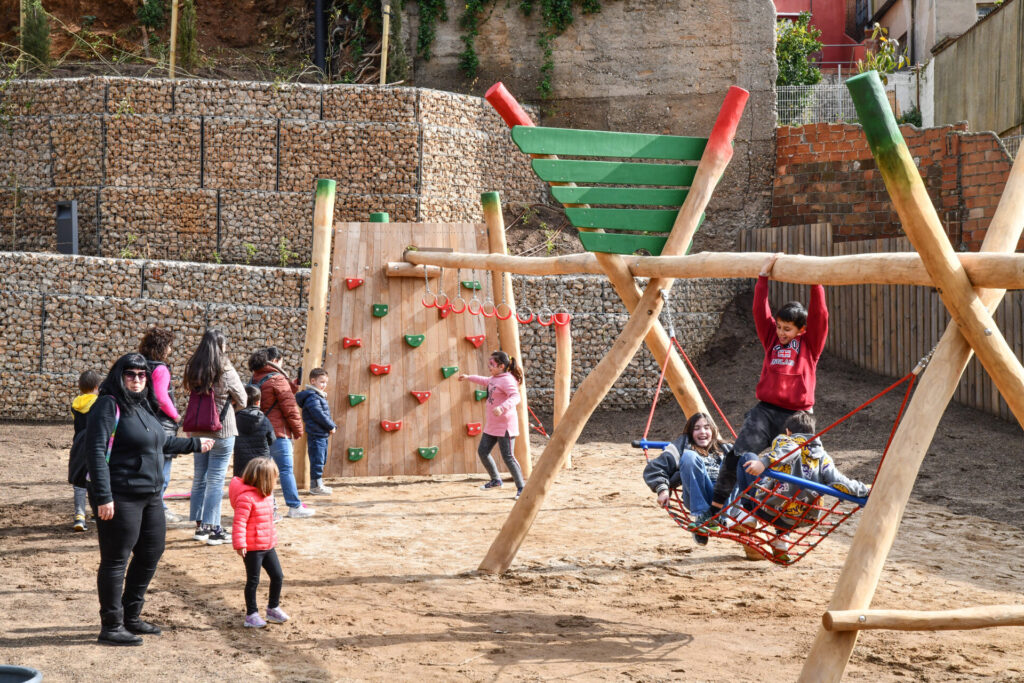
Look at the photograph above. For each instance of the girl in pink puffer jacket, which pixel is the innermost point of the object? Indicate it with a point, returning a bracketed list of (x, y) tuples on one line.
[(502, 424), (253, 536)]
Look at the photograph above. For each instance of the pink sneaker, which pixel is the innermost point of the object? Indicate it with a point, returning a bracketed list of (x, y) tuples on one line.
[(276, 615), (254, 620)]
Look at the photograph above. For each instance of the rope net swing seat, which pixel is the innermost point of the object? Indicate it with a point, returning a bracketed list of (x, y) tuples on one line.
[(780, 517)]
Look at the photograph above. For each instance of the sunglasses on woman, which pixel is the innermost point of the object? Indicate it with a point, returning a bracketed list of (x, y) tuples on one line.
[(135, 374)]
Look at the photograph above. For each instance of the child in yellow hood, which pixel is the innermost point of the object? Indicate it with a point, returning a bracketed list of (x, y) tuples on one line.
[(89, 386)]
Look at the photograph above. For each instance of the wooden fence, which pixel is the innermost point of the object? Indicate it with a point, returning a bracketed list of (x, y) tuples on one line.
[(886, 328)]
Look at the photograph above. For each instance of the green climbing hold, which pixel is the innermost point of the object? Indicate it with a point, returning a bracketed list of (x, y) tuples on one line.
[(427, 453), (355, 454), (414, 340), (479, 394), (449, 370), (471, 284), (380, 310), (356, 399)]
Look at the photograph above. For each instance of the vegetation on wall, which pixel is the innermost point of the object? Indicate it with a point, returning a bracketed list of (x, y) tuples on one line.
[(795, 42), (556, 16), (886, 57), (35, 41)]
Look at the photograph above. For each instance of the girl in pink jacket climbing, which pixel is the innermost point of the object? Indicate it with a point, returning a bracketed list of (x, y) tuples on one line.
[(253, 537), (502, 424)]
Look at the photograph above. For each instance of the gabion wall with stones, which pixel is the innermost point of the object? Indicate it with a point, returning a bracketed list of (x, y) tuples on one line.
[(66, 314), (222, 171)]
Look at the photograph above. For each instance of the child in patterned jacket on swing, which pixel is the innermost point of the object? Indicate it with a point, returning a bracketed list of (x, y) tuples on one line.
[(798, 453)]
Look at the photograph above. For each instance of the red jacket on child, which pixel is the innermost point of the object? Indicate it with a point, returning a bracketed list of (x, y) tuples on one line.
[(788, 372), (253, 526)]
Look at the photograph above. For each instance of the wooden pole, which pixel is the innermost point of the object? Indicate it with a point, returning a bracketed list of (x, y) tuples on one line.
[(613, 266), (924, 229), (880, 520), (174, 38), (508, 330), (316, 310), (996, 271), (918, 620), (563, 374), (597, 384), (385, 31)]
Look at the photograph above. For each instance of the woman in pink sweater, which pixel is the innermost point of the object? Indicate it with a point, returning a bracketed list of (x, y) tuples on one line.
[(502, 424), (253, 537)]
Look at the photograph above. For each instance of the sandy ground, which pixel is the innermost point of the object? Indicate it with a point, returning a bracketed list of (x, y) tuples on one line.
[(381, 584)]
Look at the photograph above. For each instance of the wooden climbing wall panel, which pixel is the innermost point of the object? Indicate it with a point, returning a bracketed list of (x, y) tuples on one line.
[(361, 251)]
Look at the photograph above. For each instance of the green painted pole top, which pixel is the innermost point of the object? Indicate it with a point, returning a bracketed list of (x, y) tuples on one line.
[(490, 198), (380, 217), (873, 110), (325, 186)]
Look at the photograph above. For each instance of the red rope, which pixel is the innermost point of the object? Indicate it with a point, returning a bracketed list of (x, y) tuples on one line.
[(657, 393), (703, 386), (539, 427), (892, 432)]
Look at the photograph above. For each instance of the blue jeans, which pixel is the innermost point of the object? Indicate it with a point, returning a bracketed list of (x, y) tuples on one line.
[(316, 447), (695, 486), (208, 482), (167, 478), (281, 452)]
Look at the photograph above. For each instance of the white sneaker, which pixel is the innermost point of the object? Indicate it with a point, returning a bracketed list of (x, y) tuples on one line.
[(318, 488), (301, 512)]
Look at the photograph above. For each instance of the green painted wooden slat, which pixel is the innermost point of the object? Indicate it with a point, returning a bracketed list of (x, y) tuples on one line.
[(651, 220), (617, 243), (599, 143), (613, 172), (627, 196)]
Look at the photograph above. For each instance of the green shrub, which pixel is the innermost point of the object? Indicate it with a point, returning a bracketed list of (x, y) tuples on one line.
[(35, 41), (188, 46), (795, 42)]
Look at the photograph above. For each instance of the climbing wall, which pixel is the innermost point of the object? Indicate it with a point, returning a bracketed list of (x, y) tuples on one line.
[(377, 356)]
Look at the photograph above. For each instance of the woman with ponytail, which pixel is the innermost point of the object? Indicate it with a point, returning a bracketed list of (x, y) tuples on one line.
[(502, 424)]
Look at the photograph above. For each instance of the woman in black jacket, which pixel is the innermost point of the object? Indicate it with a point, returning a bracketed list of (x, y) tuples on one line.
[(125, 492)]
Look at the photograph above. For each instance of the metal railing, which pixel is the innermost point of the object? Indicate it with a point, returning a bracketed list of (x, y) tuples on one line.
[(1012, 143), (822, 103)]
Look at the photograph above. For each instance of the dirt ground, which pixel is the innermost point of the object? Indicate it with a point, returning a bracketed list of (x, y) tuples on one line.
[(381, 584)]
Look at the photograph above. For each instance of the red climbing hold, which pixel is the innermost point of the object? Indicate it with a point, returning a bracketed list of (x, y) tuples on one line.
[(380, 369), (347, 342), (389, 426), (476, 340), (444, 310), (473, 428), (353, 282), (421, 396)]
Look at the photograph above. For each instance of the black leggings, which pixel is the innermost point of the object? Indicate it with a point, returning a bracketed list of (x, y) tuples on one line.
[(761, 424), (136, 531), (254, 560)]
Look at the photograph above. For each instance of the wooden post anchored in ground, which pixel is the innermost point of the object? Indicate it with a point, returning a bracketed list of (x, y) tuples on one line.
[(563, 370), (316, 307), (618, 274), (508, 329), (644, 316), (881, 517)]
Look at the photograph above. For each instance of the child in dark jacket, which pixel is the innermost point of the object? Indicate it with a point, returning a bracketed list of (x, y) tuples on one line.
[(316, 416), (691, 463), (89, 386), (255, 433)]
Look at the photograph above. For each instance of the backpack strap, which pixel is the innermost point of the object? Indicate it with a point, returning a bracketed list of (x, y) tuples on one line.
[(259, 385)]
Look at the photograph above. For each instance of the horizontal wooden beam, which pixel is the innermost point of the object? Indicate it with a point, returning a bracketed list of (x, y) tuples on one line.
[(995, 271), (918, 620), (403, 269)]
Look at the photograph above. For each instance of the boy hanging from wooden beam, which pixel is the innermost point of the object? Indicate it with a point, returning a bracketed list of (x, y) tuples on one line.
[(793, 341)]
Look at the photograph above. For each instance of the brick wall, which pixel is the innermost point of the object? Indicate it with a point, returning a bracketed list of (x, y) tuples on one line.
[(197, 170), (824, 173)]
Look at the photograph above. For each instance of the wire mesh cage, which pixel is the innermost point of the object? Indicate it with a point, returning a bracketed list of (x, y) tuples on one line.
[(822, 103)]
